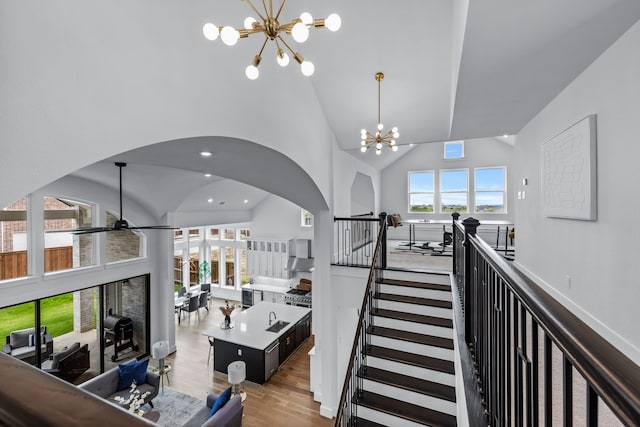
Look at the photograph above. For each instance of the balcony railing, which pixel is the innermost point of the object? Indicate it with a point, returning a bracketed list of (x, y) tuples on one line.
[(535, 362)]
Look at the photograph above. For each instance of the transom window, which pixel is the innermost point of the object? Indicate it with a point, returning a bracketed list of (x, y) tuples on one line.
[(490, 184), (454, 190), (454, 150), (421, 189)]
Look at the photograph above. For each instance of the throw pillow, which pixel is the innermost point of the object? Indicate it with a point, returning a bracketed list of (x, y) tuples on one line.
[(132, 371), (220, 401)]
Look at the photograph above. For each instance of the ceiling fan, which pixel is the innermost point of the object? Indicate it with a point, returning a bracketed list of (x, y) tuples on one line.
[(120, 224)]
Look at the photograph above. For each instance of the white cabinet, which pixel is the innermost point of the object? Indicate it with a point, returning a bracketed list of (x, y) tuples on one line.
[(268, 258)]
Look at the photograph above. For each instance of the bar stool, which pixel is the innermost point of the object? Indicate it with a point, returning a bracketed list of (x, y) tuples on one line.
[(209, 356)]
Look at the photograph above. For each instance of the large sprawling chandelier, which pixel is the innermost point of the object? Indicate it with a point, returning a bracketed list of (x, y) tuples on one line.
[(272, 29), (379, 139)]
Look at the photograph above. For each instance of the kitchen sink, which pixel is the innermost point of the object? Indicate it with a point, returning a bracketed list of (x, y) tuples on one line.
[(277, 327)]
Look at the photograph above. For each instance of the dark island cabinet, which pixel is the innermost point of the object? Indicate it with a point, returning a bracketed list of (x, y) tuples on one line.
[(294, 337), (227, 352)]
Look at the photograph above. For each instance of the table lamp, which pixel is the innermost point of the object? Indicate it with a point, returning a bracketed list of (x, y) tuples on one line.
[(159, 351), (236, 374)]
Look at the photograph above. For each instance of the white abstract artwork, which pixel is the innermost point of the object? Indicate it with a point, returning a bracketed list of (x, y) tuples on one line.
[(569, 172)]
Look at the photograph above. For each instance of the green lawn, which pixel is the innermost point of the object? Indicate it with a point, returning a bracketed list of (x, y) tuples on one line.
[(57, 316)]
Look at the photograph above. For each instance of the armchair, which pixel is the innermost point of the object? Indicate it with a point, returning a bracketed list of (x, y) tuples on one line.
[(68, 363), (230, 415)]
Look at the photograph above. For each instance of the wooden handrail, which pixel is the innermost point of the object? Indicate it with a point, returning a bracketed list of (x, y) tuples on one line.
[(614, 376), (363, 309)]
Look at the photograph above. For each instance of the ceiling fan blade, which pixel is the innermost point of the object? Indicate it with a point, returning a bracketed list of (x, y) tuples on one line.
[(154, 227), (81, 230)]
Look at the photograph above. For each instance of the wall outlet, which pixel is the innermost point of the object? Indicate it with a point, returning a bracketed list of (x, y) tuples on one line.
[(524, 195), (568, 281), (519, 195), (239, 352)]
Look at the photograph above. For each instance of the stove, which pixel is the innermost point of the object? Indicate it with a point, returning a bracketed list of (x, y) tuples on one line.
[(298, 297)]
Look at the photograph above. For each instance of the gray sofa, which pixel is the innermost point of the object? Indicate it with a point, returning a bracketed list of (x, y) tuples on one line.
[(18, 344), (230, 415), (106, 386)]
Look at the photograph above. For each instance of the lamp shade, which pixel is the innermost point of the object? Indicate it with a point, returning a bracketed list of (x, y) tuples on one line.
[(236, 372), (160, 350)]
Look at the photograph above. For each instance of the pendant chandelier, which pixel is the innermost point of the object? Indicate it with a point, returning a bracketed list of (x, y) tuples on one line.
[(272, 29), (379, 139)]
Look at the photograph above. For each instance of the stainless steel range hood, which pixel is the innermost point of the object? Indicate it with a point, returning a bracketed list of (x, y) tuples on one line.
[(300, 255)]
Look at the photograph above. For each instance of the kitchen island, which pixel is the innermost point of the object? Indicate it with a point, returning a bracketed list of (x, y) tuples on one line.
[(250, 340)]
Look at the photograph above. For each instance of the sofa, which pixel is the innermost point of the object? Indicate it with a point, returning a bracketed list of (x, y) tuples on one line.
[(21, 344), (68, 363), (230, 415), (106, 386)]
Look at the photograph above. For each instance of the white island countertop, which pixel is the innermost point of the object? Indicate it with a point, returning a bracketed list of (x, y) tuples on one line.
[(266, 288), (250, 325)]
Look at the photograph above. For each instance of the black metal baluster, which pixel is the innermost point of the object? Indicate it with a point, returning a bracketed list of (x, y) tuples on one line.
[(535, 383), (516, 363), (548, 385), (567, 392), (507, 358), (592, 407)]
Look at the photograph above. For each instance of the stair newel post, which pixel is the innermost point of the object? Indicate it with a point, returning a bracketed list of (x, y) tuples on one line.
[(455, 217), (383, 246), (470, 227)]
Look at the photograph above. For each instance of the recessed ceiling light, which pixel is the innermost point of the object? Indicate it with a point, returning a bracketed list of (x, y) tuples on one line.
[(246, 201), (209, 200), (205, 153), (505, 136), (207, 175)]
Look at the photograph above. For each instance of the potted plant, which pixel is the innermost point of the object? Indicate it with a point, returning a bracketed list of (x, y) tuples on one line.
[(205, 272)]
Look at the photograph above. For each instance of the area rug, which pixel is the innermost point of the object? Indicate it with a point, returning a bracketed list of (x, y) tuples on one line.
[(175, 408)]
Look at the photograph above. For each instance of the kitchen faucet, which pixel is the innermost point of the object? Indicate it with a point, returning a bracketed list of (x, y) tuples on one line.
[(274, 317)]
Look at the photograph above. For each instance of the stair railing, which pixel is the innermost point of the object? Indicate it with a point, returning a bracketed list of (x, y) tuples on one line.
[(354, 240), (527, 347), (347, 407)]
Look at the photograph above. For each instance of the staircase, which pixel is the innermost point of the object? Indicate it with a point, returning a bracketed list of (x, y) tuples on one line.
[(409, 378)]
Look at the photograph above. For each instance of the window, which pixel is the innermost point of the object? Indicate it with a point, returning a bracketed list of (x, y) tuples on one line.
[(490, 190), (177, 235), (421, 191), (453, 190), (306, 218), (229, 257), (194, 234), (229, 234), (214, 233), (244, 234), (215, 265), (454, 150), (13, 240), (64, 251)]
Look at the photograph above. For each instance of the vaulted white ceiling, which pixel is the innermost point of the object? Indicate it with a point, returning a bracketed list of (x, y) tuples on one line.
[(454, 69)]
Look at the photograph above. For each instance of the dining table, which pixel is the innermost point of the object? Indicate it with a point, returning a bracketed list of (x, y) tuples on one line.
[(180, 302)]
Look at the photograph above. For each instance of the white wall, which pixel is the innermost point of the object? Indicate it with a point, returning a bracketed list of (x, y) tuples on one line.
[(484, 152), (588, 265), (277, 218)]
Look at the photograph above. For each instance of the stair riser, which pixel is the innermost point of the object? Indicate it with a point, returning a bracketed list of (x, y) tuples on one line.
[(410, 347), (445, 313), (440, 279), (411, 397), (384, 418), (420, 328), (415, 292)]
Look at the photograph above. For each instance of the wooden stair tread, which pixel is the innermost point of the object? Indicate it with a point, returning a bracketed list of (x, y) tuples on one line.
[(413, 359), (414, 300), (411, 337), (361, 422), (404, 410), (418, 385), (416, 318), (413, 284)]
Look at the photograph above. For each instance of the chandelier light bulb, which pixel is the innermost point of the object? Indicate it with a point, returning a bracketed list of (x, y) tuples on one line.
[(363, 149), (333, 22), (306, 18), (394, 148), (283, 58), (394, 129), (393, 142), (300, 32), (363, 142), (378, 151), (379, 146), (248, 22), (396, 134), (363, 132), (229, 35), (210, 31), (380, 126), (252, 72), (307, 68)]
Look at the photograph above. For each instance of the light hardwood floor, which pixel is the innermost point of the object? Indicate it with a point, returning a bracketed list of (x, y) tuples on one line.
[(285, 400)]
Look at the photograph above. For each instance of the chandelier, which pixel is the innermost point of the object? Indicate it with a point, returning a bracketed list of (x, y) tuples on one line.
[(272, 29), (379, 139)]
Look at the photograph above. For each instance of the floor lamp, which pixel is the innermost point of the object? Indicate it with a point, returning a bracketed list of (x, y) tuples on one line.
[(236, 374), (159, 351)]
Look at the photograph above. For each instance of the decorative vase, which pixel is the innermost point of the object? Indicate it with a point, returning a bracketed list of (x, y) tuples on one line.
[(227, 322)]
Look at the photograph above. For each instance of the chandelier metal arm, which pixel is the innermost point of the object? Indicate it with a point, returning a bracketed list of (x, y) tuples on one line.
[(280, 9), (256, 10), (296, 55)]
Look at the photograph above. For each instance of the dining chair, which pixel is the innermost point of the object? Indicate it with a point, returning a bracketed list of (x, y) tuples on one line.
[(202, 301), (192, 306), (182, 291)]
